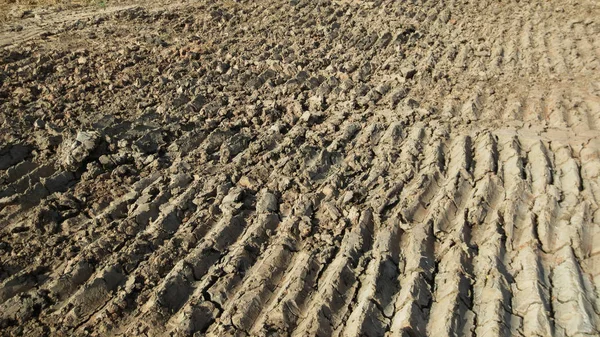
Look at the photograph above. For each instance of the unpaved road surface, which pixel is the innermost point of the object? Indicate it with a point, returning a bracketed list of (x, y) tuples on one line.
[(301, 168)]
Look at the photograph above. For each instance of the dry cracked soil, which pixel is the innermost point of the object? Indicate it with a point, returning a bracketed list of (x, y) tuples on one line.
[(301, 168)]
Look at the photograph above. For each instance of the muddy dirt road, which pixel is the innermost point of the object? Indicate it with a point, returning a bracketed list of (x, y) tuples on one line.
[(301, 168)]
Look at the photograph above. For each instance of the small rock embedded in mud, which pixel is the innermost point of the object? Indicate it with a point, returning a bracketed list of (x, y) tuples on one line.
[(39, 124), (222, 67), (20, 13), (409, 72), (267, 203), (75, 151)]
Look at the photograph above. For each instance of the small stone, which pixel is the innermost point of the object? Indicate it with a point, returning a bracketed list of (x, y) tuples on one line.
[(408, 72), (348, 197), (316, 102), (149, 159), (305, 116), (328, 190), (150, 142), (277, 127), (19, 13), (222, 67), (105, 160), (397, 96), (197, 103), (247, 182), (284, 183), (305, 228), (267, 203), (234, 195), (364, 73), (179, 101), (412, 103), (39, 124), (74, 152), (383, 88), (92, 171), (346, 85), (332, 210)]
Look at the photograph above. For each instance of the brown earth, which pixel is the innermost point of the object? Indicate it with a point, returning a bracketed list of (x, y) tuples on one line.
[(301, 168)]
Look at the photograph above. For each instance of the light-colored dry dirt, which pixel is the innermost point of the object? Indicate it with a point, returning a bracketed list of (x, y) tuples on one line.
[(302, 168)]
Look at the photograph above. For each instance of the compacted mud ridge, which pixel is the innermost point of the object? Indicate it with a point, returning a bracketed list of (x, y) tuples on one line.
[(301, 168)]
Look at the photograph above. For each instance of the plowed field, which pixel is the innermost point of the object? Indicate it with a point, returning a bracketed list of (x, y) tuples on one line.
[(301, 168)]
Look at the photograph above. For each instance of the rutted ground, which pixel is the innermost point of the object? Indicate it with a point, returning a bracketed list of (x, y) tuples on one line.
[(302, 168)]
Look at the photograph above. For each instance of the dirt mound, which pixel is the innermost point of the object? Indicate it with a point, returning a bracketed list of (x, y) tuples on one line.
[(302, 168)]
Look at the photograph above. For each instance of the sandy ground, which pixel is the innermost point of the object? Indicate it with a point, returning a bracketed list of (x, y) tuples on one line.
[(301, 168)]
